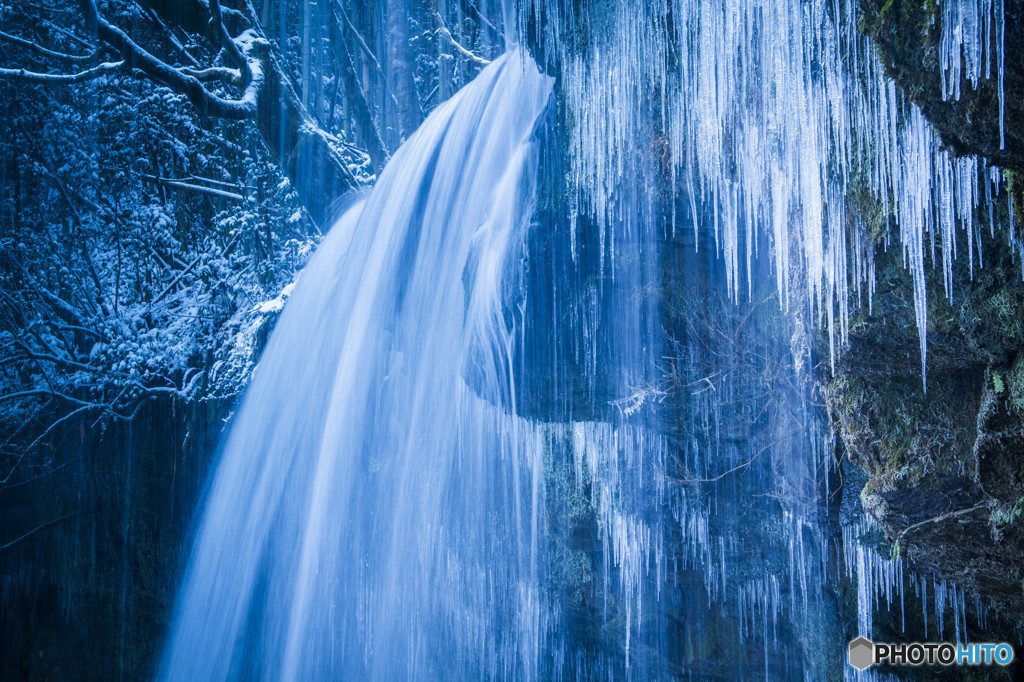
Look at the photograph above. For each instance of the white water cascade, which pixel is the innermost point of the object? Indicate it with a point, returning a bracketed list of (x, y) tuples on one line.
[(374, 516)]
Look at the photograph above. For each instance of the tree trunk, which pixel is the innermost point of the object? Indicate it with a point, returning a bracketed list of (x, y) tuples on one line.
[(362, 118), (400, 64), (307, 25), (316, 168)]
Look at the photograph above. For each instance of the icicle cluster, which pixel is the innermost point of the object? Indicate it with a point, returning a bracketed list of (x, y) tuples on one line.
[(765, 112), (970, 30), (881, 583)]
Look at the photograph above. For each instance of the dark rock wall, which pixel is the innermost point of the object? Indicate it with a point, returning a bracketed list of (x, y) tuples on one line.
[(90, 596), (946, 464)]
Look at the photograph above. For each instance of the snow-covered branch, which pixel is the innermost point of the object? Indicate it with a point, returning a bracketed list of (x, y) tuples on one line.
[(228, 43), (210, 191), (200, 189), (214, 73), (177, 79), (62, 78), (465, 52)]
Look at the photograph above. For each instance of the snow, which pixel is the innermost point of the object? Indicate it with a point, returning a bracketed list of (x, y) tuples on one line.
[(276, 304)]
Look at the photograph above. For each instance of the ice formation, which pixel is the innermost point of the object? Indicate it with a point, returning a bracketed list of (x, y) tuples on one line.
[(767, 112)]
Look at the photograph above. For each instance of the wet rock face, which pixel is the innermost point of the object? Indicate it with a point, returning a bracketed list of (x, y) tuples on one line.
[(908, 34), (946, 464), (90, 596), (934, 496)]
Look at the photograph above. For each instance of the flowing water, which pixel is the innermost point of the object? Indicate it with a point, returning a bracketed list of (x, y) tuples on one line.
[(373, 516), (494, 436)]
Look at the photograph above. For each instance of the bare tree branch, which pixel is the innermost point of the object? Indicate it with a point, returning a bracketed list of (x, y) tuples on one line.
[(984, 504), (41, 527), (744, 465), (36, 47)]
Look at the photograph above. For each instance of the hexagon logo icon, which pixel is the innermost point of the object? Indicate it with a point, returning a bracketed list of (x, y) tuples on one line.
[(862, 653)]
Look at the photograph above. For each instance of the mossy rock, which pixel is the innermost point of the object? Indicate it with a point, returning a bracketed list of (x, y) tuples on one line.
[(945, 461)]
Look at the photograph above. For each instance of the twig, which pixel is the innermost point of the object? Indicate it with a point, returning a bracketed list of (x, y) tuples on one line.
[(51, 427), (170, 287), (942, 517), (744, 465), (68, 34), (44, 51), (42, 475), (42, 527)]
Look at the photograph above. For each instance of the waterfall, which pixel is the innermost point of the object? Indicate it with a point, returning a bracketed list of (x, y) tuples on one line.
[(454, 460), (374, 511)]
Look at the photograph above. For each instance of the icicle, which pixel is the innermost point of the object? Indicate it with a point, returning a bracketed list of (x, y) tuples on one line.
[(769, 138)]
